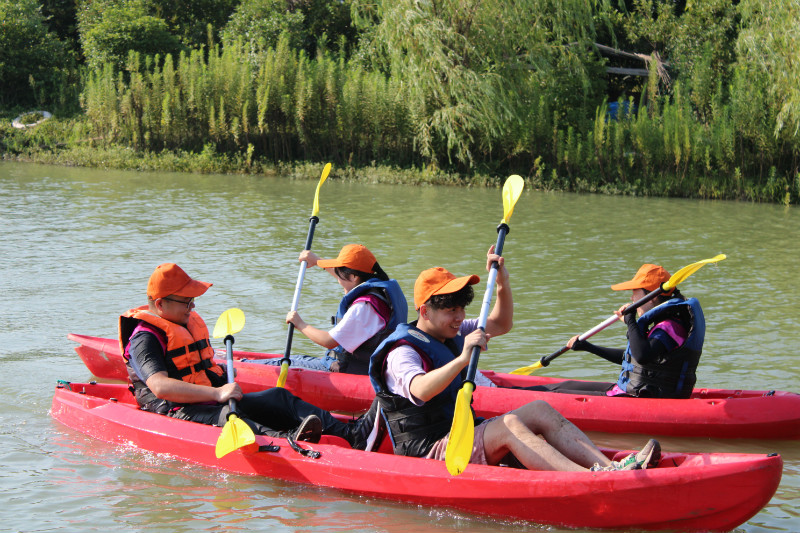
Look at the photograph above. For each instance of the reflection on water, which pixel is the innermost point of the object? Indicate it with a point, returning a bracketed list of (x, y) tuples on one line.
[(79, 244)]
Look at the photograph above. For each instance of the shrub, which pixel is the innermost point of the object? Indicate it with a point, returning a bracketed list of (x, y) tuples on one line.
[(118, 28), (30, 55)]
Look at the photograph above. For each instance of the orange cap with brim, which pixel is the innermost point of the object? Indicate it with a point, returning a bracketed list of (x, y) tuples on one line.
[(355, 256), (648, 277), (439, 281), (169, 278)]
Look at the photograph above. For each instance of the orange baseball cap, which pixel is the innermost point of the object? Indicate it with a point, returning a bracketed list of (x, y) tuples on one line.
[(355, 256), (439, 281), (169, 278), (649, 277)]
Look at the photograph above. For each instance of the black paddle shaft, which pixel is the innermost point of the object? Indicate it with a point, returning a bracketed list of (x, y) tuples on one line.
[(229, 369), (544, 361), (288, 350), (472, 368)]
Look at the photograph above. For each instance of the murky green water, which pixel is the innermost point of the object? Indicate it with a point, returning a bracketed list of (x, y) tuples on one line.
[(78, 246)]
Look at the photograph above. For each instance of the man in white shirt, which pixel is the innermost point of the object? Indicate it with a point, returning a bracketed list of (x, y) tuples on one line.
[(418, 371)]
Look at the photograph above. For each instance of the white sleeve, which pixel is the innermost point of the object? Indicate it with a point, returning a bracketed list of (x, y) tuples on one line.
[(358, 324), (403, 364)]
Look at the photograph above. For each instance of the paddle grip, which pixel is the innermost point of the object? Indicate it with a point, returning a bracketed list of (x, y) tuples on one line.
[(229, 369), (312, 224), (287, 351), (472, 368), (229, 357), (544, 361)]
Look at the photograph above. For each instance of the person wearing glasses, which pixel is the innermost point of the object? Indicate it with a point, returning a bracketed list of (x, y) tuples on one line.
[(172, 372)]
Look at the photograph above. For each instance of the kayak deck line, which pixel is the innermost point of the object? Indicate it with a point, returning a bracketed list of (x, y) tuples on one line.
[(714, 413), (686, 491)]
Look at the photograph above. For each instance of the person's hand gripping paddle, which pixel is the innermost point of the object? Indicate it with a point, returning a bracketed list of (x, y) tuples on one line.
[(667, 286), (286, 361), (462, 432), (235, 433)]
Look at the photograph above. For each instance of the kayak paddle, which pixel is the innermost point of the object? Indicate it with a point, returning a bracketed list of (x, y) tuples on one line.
[(285, 361), (235, 433), (462, 432), (667, 286)]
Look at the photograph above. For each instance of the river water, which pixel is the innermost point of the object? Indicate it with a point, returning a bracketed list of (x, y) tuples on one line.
[(78, 246)]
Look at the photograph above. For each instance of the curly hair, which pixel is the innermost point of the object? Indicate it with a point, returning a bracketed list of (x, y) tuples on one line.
[(461, 298)]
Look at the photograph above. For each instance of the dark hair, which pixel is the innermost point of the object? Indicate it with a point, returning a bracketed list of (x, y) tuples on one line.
[(345, 272), (460, 298), (660, 299)]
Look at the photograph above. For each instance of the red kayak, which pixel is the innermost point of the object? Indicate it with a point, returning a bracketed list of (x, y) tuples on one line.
[(686, 491), (715, 413)]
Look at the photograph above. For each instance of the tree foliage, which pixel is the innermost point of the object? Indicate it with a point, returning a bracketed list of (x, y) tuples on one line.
[(697, 40), (34, 63), (61, 16), (189, 20), (111, 29), (768, 56), (309, 25), (259, 24), (475, 69)]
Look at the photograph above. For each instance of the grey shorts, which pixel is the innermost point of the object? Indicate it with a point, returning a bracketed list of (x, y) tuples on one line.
[(478, 456)]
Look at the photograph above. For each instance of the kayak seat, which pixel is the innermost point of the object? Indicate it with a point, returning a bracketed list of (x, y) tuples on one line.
[(334, 441)]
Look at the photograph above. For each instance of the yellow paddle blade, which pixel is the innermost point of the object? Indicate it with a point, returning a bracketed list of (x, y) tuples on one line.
[(462, 433), (512, 189), (283, 374), (229, 322), (235, 434), (525, 370), (687, 271), (325, 172)]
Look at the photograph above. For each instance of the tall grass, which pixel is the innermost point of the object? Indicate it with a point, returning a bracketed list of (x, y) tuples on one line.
[(282, 106)]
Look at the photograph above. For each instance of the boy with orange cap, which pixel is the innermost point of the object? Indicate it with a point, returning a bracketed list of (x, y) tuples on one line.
[(665, 341), (372, 306), (419, 369), (172, 372)]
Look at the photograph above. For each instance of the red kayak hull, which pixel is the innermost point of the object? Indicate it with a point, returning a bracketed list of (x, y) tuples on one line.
[(714, 413), (687, 492)]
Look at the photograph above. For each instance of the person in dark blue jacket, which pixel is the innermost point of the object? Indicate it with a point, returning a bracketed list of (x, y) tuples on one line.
[(665, 342)]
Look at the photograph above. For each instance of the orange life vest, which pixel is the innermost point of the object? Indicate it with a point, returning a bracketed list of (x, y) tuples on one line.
[(188, 354)]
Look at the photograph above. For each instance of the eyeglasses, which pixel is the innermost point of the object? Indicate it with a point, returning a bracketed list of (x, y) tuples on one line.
[(187, 304)]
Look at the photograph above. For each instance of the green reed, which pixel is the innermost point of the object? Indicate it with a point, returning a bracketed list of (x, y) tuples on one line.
[(280, 105)]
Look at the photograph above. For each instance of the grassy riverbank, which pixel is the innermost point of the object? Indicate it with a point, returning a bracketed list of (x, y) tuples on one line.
[(69, 142), (56, 143), (600, 97)]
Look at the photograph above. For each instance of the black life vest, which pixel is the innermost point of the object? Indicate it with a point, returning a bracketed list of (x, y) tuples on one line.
[(414, 429), (672, 376)]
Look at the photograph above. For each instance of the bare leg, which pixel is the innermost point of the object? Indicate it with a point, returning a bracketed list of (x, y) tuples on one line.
[(507, 433), (563, 446)]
